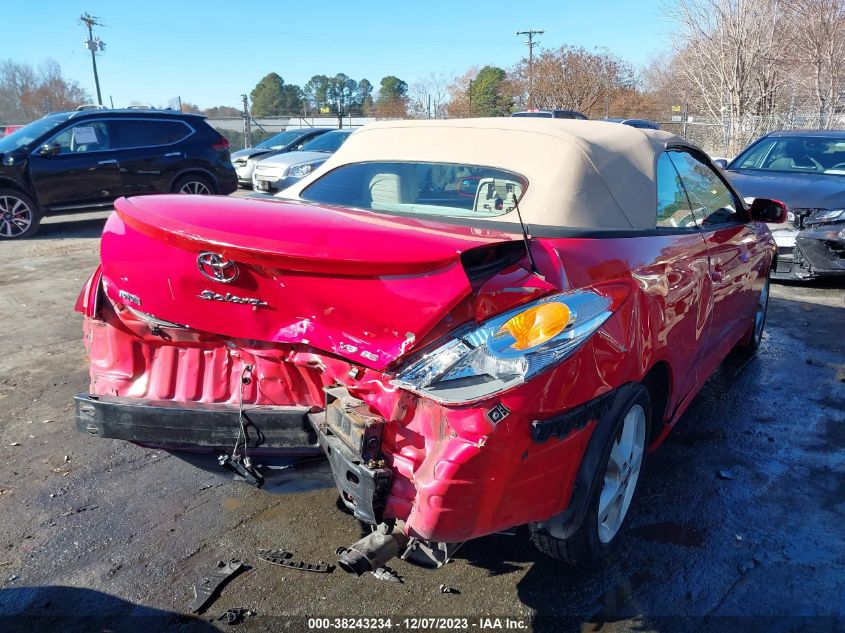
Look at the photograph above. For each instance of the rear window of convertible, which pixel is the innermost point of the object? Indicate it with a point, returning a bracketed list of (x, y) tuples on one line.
[(420, 187)]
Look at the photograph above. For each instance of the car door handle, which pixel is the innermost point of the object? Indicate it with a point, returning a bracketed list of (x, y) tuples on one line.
[(169, 154), (110, 161)]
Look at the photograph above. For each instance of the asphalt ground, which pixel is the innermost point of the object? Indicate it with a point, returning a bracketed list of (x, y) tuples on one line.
[(738, 524)]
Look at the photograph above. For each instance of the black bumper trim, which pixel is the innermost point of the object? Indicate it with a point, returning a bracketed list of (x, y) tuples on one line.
[(195, 425), (363, 487), (561, 426)]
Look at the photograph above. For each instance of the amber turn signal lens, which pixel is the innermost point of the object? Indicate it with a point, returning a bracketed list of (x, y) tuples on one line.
[(537, 325)]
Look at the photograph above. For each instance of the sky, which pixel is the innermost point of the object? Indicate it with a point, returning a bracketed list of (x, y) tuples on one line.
[(208, 53)]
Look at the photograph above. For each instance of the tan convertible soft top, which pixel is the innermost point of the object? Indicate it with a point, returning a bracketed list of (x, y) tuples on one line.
[(581, 174)]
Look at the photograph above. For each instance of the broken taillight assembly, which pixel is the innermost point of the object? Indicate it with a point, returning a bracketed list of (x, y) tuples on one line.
[(510, 348)]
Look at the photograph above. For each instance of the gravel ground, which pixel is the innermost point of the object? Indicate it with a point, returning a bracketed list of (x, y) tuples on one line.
[(103, 535)]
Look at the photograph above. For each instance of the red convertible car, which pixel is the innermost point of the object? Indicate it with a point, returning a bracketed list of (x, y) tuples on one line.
[(480, 323)]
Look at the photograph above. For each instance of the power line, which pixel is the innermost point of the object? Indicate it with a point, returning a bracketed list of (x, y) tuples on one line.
[(94, 45), (531, 43)]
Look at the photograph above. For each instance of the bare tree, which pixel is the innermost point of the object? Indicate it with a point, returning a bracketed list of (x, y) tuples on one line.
[(460, 103), (819, 49), (574, 78), (429, 96), (16, 81), (55, 91), (26, 94), (731, 54)]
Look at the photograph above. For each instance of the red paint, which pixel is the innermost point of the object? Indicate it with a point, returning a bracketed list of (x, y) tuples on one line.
[(353, 289)]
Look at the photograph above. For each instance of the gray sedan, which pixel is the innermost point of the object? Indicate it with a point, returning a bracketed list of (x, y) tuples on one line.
[(806, 170)]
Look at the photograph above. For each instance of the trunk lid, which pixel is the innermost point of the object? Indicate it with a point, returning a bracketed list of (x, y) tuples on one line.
[(358, 284)]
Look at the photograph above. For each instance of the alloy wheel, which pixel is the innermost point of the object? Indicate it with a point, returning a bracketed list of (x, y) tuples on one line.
[(621, 474), (15, 216), (195, 187), (760, 315)]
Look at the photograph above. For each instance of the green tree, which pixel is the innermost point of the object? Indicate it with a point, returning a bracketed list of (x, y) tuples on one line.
[(341, 95), (316, 91), (392, 89), (365, 95), (488, 93), (273, 97), (292, 99), (268, 96)]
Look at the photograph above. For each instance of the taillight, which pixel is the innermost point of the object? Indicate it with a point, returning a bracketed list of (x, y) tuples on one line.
[(221, 144), (88, 301)]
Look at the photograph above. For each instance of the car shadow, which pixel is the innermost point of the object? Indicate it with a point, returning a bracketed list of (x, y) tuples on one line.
[(75, 228), (75, 609)]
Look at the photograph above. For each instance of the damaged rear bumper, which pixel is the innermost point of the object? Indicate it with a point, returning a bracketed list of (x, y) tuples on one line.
[(273, 430), (351, 436)]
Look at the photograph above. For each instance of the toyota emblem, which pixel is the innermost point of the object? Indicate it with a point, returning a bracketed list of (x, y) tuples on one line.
[(217, 268)]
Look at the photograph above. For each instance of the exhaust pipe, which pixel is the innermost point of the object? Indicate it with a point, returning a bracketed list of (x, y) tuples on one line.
[(372, 551)]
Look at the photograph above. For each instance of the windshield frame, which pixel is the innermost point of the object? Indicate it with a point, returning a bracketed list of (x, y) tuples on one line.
[(14, 142)]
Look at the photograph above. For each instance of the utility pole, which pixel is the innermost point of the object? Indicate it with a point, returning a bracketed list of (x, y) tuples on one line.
[(470, 97), (531, 43), (93, 45), (247, 125)]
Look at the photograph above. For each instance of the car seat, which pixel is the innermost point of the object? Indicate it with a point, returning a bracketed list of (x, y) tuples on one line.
[(795, 156)]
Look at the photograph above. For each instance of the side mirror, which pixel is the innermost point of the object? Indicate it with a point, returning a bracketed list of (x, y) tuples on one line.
[(49, 149), (770, 211), (721, 163)]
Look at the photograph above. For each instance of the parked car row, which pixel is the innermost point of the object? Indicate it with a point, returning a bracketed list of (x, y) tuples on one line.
[(245, 160), (285, 158), (79, 160), (274, 173)]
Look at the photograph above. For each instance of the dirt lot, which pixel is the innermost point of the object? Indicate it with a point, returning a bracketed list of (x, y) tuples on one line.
[(97, 534)]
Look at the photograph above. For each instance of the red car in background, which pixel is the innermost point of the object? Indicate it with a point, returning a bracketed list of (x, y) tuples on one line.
[(11, 128), (481, 324)]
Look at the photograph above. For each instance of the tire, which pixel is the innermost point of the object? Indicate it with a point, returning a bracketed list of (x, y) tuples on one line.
[(195, 184), (20, 216), (595, 540), (751, 343)]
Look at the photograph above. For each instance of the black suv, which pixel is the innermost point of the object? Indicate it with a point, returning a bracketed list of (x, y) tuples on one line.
[(79, 160)]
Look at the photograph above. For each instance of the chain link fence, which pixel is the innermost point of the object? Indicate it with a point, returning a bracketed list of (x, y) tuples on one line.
[(726, 138)]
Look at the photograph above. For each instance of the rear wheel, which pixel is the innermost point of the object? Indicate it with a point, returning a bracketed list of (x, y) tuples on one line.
[(610, 500), (19, 215), (758, 323), (194, 184)]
